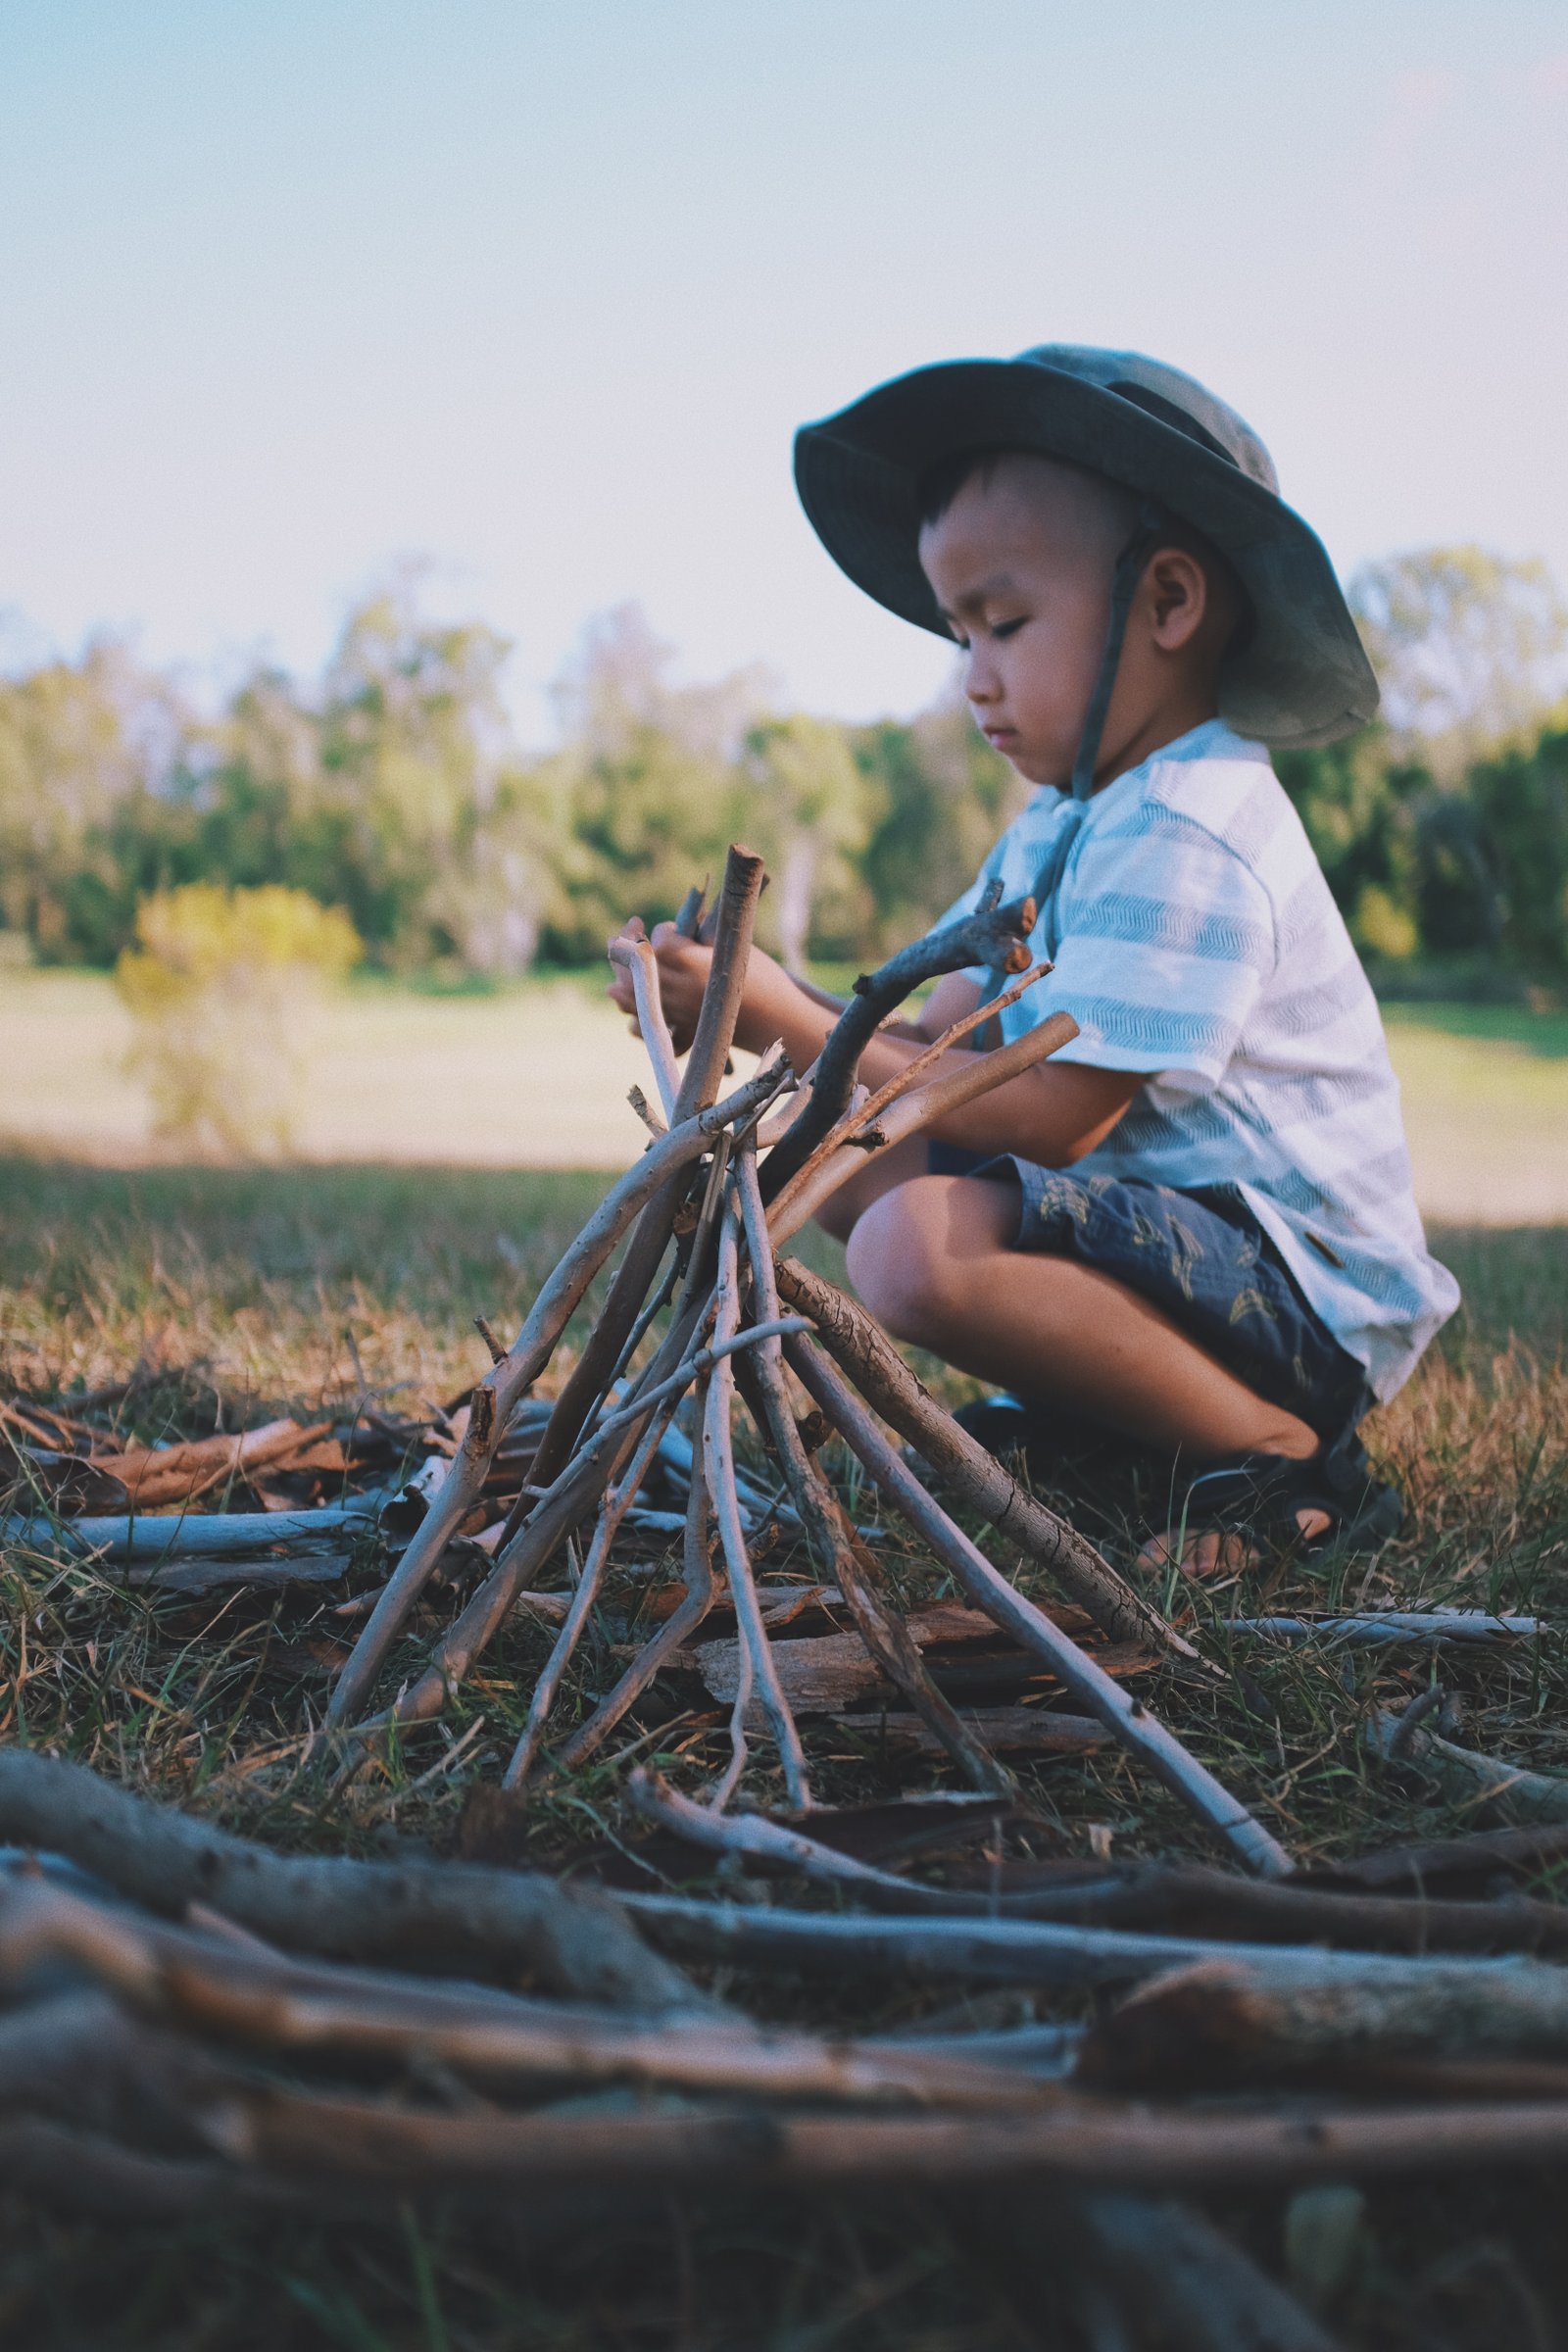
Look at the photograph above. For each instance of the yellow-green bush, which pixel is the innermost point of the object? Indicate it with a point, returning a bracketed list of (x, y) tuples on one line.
[(224, 987)]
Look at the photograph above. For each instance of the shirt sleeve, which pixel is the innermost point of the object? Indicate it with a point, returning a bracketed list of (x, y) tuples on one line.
[(1166, 937)]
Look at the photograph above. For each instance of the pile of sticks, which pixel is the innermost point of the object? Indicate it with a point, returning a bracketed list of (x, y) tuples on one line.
[(719, 1189), (194, 2022)]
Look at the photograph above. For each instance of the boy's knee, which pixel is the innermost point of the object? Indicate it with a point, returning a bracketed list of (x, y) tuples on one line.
[(908, 1255)]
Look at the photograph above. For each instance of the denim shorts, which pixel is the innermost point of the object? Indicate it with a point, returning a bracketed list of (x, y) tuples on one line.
[(1203, 1260)]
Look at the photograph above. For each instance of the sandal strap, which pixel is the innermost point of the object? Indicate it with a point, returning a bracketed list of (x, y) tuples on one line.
[(1264, 1493)]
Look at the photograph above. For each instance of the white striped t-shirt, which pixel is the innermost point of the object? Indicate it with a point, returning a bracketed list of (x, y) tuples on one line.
[(1199, 940)]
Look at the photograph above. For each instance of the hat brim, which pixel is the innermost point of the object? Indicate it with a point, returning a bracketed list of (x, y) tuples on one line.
[(1303, 677)]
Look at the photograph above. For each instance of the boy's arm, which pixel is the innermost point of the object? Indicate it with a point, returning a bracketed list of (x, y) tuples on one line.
[(1053, 1114)]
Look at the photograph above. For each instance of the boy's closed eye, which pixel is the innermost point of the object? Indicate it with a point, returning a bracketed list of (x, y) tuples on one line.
[(999, 630)]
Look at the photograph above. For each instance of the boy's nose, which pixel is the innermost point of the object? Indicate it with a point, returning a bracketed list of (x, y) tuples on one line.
[(979, 679)]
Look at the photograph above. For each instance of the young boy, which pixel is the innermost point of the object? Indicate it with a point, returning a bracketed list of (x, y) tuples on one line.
[(1194, 1225)]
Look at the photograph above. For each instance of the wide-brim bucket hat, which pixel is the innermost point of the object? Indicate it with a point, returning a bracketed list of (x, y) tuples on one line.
[(1299, 677)]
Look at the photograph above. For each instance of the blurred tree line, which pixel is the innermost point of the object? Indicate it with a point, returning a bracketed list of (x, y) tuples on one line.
[(392, 788)]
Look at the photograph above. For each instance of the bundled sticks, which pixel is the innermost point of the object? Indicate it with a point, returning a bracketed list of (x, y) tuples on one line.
[(716, 1195)]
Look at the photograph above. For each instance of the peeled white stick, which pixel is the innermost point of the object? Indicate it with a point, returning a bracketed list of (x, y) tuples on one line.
[(818, 1180), (636, 956), (1126, 1717), (502, 1388)]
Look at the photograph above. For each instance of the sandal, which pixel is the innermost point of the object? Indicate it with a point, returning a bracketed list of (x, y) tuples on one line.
[(1042, 1433), (1262, 1495)]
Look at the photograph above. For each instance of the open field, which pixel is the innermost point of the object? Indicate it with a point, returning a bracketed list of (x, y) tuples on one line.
[(246, 1291), (536, 1077)]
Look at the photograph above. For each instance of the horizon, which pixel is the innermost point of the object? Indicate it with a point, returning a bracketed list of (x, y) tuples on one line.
[(296, 294)]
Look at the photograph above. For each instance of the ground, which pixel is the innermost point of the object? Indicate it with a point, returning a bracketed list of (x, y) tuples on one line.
[(246, 1291)]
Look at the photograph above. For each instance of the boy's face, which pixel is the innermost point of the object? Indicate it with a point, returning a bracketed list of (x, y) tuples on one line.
[(1021, 566)]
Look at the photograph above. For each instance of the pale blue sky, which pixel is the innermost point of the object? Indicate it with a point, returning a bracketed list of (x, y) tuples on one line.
[(290, 288)]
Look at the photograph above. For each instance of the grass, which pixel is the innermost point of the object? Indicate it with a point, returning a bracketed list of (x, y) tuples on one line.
[(242, 1292)]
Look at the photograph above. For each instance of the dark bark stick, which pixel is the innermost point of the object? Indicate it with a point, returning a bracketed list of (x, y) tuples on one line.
[(995, 936), (576, 1942)]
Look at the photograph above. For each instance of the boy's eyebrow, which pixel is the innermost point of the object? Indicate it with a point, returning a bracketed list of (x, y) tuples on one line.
[(995, 583)]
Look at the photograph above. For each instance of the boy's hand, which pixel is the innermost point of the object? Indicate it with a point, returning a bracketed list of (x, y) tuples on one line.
[(683, 968), (772, 1007)]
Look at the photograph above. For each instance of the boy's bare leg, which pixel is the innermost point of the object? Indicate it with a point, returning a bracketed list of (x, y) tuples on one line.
[(884, 1172), (932, 1259)]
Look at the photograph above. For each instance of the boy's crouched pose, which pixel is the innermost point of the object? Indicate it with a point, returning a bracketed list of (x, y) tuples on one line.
[(1194, 1224)]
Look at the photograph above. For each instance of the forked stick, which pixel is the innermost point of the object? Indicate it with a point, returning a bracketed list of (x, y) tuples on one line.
[(993, 935), (1128, 1718), (798, 1201), (861, 1115)]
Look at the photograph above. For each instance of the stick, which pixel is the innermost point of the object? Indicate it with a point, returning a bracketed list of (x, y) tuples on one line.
[(764, 1841), (1018, 1951), (793, 1204), (1189, 1898), (864, 1109), (1222, 2016), (705, 1069), (496, 1396), (992, 935), (1480, 1855), (839, 1557), (1128, 1718), (577, 1941), (611, 1512), (719, 1469), (863, 1350), (699, 1599), (634, 955), (1468, 1777), (333, 2140), (1467, 1628), (215, 1534)]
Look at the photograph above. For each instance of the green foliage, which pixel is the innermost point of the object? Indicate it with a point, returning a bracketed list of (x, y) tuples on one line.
[(222, 986), (392, 789)]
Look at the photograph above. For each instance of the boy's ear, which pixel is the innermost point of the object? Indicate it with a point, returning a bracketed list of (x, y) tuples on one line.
[(1177, 589)]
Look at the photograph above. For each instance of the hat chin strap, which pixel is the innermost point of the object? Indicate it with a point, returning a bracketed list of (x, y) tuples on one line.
[(1129, 571), (1123, 588)]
